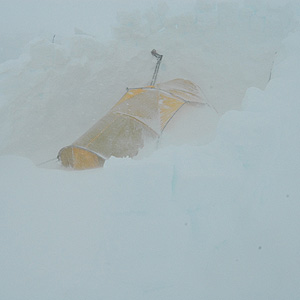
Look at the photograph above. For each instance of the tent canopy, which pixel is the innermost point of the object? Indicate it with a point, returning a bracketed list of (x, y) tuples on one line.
[(141, 114)]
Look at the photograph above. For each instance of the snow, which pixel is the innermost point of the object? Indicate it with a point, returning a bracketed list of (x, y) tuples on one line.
[(198, 218)]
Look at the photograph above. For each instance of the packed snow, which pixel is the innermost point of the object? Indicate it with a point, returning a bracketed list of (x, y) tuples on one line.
[(211, 213)]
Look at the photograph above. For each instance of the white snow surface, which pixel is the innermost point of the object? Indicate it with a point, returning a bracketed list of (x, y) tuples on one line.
[(213, 213)]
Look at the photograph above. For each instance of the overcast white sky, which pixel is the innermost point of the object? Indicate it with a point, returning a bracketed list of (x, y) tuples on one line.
[(23, 20), (61, 16), (92, 16)]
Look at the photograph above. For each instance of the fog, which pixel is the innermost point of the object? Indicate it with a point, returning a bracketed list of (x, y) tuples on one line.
[(23, 20)]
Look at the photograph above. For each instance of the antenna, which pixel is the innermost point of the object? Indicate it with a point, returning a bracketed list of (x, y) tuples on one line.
[(159, 58)]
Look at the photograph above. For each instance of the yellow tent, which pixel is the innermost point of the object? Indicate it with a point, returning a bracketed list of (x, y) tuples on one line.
[(140, 115)]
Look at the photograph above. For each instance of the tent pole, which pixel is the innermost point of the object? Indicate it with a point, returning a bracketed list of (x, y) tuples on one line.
[(159, 58)]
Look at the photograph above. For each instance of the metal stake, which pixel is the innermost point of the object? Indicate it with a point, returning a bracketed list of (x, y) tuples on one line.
[(159, 58)]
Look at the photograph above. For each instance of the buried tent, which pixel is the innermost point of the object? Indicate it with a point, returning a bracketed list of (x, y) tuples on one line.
[(140, 115)]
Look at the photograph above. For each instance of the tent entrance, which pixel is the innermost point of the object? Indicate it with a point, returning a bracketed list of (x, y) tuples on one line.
[(79, 158)]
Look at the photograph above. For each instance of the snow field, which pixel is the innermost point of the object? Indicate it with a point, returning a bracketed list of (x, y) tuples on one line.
[(189, 221)]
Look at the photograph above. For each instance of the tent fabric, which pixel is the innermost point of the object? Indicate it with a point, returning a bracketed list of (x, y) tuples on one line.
[(80, 158), (141, 114)]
